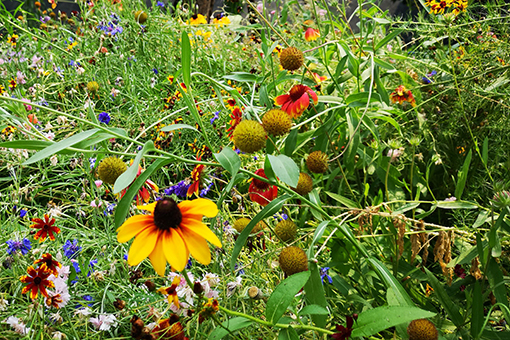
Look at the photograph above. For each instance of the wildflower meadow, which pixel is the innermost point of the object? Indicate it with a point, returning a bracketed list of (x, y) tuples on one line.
[(259, 170)]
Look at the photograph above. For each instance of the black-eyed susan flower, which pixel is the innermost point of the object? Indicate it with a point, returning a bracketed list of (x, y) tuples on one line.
[(46, 228), (12, 84), (170, 233), (2, 90), (297, 101), (37, 280), (13, 39), (196, 19), (48, 264)]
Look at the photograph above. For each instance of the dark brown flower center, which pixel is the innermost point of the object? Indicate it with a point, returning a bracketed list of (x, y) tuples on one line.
[(37, 280), (296, 92), (167, 214)]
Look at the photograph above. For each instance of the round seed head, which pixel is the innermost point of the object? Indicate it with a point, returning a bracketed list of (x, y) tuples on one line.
[(141, 17), (241, 223), (422, 329), (249, 136), (317, 162), (293, 260), (286, 230), (110, 169), (291, 59), (276, 122), (305, 184)]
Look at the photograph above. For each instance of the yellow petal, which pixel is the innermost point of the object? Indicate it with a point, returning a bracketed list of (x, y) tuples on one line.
[(157, 257), (175, 250), (200, 206), (142, 246), (197, 246), (148, 207), (133, 226), (201, 229)]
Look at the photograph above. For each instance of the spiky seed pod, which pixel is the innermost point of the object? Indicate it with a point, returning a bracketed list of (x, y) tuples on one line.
[(291, 59), (110, 169), (286, 230), (276, 122), (317, 162), (141, 17), (293, 260), (305, 184), (422, 329), (92, 86), (249, 136), (241, 223)]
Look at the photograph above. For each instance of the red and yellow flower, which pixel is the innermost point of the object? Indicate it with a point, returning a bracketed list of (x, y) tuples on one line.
[(37, 280), (172, 291), (401, 94), (13, 39), (236, 117), (170, 233), (262, 192), (312, 34), (47, 263), (46, 228), (297, 101), (196, 179)]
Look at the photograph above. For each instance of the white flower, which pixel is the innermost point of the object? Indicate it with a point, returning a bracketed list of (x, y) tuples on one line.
[(59, 335), (61, 120), (53, 160), (231, 286), (18, 326), (56, 317), (80, 70), (83, 312), (104, 321), (212, 279), (3, 304)]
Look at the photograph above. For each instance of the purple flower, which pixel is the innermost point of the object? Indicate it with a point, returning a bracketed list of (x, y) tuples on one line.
[(109, 209), (22, 246), (216, 116), (324, 274), (160, 4), (71, 250), (22, 213), (180, 189), (104, 117), (92, 162), (205, 190), (92, 263)]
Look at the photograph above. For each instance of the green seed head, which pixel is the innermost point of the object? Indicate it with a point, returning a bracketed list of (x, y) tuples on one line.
[(249, 136), (293, 260), (276, 122), (110, 169), (286, 230)]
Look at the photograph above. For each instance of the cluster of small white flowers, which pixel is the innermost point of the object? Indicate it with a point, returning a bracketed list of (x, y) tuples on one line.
[(18, 326), (185, 293), (104, 322)]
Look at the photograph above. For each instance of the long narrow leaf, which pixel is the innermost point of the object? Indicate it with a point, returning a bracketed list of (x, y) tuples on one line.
[(129, 175), (186, 58), (451, 308)]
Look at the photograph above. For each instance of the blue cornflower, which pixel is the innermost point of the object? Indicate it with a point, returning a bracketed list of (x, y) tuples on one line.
[(109, 209), (71, 250), (324, 274), (125, 257), (160, 4), (205, 190), (216, 116), (22, 213), (241, 272), (104, 117), (92, 162), (155, 70), (22, 246), (92, 263), (180, 189), (72, 63), (189, 264), (428, 77)]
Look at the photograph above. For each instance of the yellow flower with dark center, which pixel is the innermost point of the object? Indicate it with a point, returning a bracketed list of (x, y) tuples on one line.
[(170, 233), (197, 19), (13, 39)]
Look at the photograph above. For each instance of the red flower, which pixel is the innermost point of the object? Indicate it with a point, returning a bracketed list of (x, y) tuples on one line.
[(46, 227), (37, 280), (312, 34), (344, 332), (48, 264), (401, 94), (196, 179), (297, 101), (262, 192), (236, 116)]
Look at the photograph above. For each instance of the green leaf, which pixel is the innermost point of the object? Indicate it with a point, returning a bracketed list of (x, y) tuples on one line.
[(315, 294), (467, 255), (32, 145), (177, 126), (451, 308), (186, 58), (122, 208), (288, 334), (319, 231), (359, 99), (285, 169), (313, 310), (269, 210), (56, 147), (477, 311), (462, 176), (283, 295), (345, 201), (456, 205), (485, 150), (242, 77), (391, 282), (497, 284), (129, 175), (378, 319), (387, 39), (229, 326), (291, 142)]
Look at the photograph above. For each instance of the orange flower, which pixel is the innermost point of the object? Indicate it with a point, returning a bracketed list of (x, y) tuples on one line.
[(319, 79), (32, 118), (297, 101), (170, 233), (47, 228), (236, 116), (196, 179), (312, 34), (37, 280), (401, 94), (262, 192), (48, 264), (169, 329)]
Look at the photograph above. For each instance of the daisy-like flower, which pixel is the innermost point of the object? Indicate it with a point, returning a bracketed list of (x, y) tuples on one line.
[(37, 280), (12, 84), (236, 117), (401, 94), (196, 19), (172, 291), (312, 34), (48, 264), (318, 78), (221, 20), (169, 328), (13, 39), (170, 233), (262, 192), (46, 228), (196, 179), (2, 90), (297, 101)]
